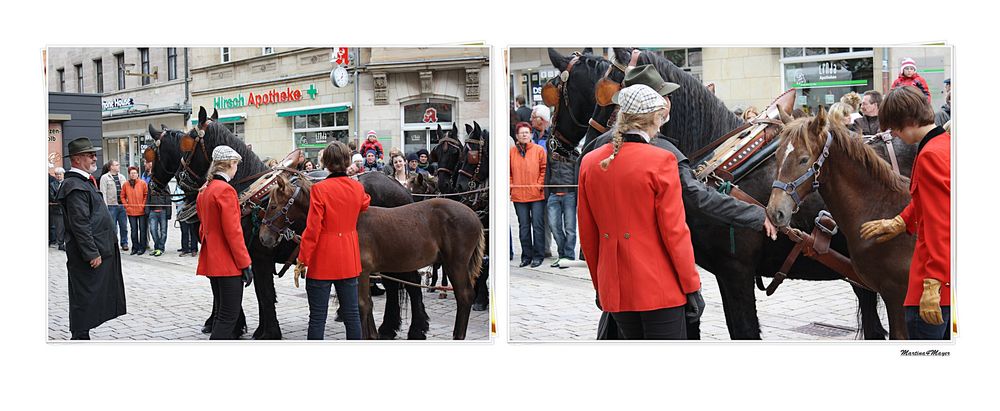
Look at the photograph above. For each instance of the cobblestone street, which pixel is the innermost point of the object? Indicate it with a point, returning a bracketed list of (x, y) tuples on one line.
[(167, 301)]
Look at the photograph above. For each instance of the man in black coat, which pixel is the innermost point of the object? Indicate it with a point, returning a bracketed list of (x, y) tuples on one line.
[(93, 261), (57, 229), (697, 197)]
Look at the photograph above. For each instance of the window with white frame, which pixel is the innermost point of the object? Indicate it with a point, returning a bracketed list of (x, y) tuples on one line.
[(144, 60), (225, 54), (420, 121), (61, 73), (238, 128), (313, 132), (688, 59), (171, 63), (79, 78), (120, 63), (99, 74)]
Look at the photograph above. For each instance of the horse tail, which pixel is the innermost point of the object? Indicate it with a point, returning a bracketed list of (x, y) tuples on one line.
[(476, 263)]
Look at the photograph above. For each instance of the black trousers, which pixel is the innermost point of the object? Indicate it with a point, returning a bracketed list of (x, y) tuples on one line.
[(228, 295), (662, 324), (57, 229)]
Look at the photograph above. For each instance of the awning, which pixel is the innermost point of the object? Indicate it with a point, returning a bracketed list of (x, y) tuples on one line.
[(231, 118), (303, 111)]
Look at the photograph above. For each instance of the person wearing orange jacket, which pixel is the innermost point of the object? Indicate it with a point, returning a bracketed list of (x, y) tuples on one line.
[(908, 76), (224, 258), (330, 250), (928, 296), (134, 193), (632, 225), (527, 169)]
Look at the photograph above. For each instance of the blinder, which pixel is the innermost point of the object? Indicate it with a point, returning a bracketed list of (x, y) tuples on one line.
[(550, 94)]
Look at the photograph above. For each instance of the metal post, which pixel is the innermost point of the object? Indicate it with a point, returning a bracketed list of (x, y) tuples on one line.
[(357, 114)]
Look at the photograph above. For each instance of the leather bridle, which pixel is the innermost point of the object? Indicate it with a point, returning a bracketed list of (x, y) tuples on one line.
[(813, 172)]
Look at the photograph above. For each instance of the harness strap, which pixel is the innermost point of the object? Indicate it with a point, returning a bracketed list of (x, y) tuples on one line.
[(598, 126)]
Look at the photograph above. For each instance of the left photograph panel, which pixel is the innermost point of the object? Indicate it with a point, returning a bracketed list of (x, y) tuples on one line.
[(268, 193)]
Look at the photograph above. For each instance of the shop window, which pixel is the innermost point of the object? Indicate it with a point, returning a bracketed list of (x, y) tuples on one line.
[(313, 132), (822, 83), (420, 121), (687, 59), (237, 128)]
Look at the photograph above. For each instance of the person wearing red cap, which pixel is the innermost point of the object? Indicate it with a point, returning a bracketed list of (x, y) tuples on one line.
[(908, 76)]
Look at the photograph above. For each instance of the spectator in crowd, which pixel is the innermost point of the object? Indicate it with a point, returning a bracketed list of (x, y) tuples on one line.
[(868, 123), (424, 162), (57, 227), (134, 193), (853, 101), (561, 172), (330, 251), (527, 175), (353, 145), (908, 76), (928, 215), (750, 113), (224, 258), (160, 212), (357, 162), (541, 120), (944, 116), (399, 170), (413, 164), (372, 143), (111, 189), (388, 168), (189, 231), (632, 224), (309, 166), (147, 172), (840, 113), (523, 112), (371, 161), (93, 262)]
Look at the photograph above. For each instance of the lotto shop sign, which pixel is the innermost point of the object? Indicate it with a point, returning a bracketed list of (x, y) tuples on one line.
[(273, 96)]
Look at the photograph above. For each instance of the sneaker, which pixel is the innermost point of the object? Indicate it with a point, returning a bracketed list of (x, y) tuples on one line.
[(536, 263), (555, 264), (524, 263), (157, 253), (124, 247)]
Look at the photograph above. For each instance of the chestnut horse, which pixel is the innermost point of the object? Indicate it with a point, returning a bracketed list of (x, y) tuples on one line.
[(857, 186), (450, 234)]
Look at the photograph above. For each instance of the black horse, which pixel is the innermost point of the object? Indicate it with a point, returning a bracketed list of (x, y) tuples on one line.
[(472, 178), (446, 154), (697, 117)]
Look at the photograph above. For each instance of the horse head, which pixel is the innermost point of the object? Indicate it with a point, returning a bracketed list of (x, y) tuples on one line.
[(803, 147), (571, 93), (166, 153), (474, 169), (447, 155), (286, 210), (421, 183)]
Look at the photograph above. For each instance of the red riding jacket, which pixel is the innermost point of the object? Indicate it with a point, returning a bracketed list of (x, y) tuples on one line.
[(929, 217), (632, 229), (330, 243), (223, 250)]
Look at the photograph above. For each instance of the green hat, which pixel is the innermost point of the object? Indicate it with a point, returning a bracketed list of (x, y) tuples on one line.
[(80, 146), (647, 74)]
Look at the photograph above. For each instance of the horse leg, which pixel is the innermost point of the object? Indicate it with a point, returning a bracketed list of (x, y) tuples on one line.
[(464, 294), (434, 277), (419, 320), (263, 286), (391, 318), (365, 306), (482, 291), (871, 325), (895, 311), (739, 305)]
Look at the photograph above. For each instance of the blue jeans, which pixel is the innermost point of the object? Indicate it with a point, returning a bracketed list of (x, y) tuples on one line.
[(318, 292), (531, 232), (919, 330), (158, 229), (140, 228), (562, 223), (189, 237), (119, 217)]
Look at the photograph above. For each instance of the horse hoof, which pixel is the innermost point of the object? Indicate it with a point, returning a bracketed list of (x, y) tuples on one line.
[(416, 336), (206, 329)]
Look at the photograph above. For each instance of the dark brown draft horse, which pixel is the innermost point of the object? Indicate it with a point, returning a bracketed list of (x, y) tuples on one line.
[(857, 186), (449, 233)]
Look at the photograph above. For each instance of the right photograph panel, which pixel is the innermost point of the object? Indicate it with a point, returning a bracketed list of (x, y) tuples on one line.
[(730, 193)]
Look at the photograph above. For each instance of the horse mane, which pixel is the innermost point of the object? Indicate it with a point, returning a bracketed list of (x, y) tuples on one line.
[(217, 134), (854, 149), (697, 117)]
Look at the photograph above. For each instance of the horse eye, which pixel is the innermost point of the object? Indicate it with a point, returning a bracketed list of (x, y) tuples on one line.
[(803, 161)]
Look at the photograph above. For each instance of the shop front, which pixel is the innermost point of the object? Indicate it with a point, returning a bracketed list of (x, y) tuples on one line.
[(820, 76)]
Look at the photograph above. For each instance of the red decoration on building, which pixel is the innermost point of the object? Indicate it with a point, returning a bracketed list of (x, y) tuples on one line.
[(430, 115), (342, 57)]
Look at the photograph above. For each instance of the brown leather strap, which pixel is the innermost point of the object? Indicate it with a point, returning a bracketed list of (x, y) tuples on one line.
[(635, 58), (786, 267), (887, 138), (715, 144), (597, 126)]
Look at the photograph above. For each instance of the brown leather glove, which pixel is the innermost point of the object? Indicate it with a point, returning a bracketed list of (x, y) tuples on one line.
[(883, 230), (930, 302)]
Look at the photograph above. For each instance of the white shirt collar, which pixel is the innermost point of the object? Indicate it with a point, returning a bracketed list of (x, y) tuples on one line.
[(81, 172), (224, 175)]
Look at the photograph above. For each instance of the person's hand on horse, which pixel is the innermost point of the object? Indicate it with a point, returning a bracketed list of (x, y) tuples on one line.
[(883, 230), (247, 276), (695, 307), (96, 262), (769, 229), (930, 302)]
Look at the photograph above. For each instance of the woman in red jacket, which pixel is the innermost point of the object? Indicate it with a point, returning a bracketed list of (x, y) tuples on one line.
[(330, 248), (133, 198), (224, 258), (632, 227), (527, 170), (928, 297)]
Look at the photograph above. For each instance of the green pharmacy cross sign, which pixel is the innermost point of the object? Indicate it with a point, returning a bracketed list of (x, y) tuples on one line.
[(273, 96)]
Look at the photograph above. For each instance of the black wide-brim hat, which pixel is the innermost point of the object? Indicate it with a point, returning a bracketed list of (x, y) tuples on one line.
[(80, 146)]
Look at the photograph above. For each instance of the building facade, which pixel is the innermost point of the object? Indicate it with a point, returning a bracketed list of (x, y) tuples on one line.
[(280, 99), (138, 87)]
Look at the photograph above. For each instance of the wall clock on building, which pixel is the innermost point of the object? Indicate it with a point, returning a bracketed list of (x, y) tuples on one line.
[(340, 77)]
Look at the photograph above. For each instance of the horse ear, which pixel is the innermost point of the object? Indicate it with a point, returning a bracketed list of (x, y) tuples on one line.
[(440, 130), (478, 129), (623, 55), (468, 129), (818, 123), (454, 128), (202, 116), (785, 118), (155, 134), (558, 60), (215, 114)]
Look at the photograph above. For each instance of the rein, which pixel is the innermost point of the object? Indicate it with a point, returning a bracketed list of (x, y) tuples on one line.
[(886, 138)]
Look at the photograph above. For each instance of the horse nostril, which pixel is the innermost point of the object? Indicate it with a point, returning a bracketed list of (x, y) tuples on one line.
[(781, 217)]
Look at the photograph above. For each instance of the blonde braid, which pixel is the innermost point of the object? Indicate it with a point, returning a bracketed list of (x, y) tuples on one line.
[(626, 122)]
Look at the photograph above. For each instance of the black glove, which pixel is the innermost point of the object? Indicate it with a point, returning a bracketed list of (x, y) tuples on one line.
[(247, 276), (695, 307), (597, 300)]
